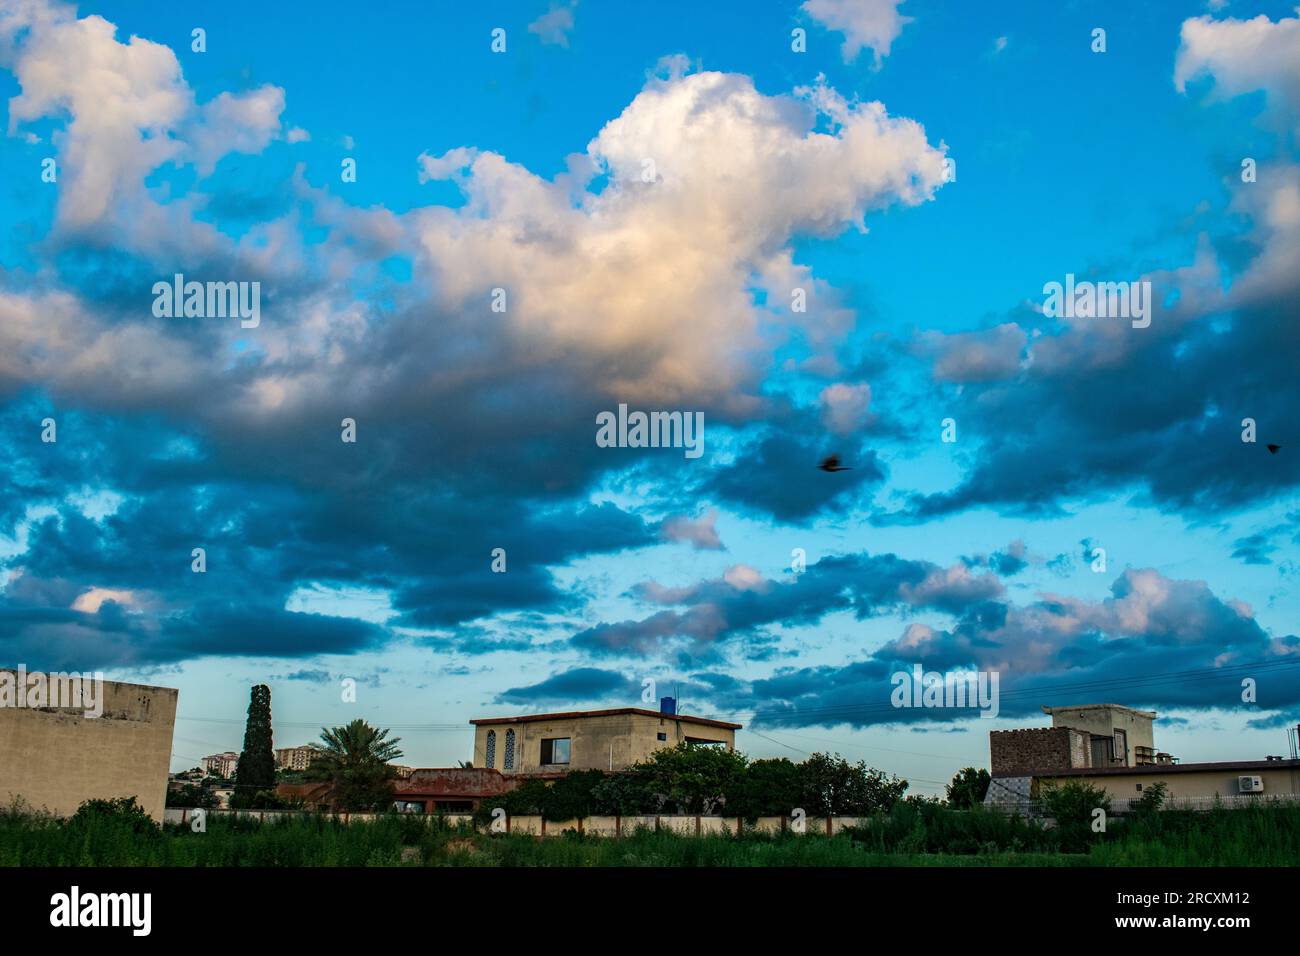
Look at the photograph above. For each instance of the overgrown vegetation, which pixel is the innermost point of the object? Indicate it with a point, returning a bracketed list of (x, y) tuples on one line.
[(912, 832), (709, 780)]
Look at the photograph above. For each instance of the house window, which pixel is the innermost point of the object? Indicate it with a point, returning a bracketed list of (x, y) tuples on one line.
[(491, 749), (555, 750), (1139, 788), (509, 762), (663, 736)]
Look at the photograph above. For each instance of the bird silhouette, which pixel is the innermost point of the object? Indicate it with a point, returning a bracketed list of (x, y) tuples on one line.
[(1273, 449), (832, 463)]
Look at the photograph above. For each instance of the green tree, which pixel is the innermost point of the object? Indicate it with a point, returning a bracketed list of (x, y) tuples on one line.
[(192, 796), (622, 794), (570, 797), (256, 768), (354, 759), (767, 788), (691, 779), (968, 788), (831, 785)]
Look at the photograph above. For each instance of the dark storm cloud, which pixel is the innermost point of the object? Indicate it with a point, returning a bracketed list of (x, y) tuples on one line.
[(578, 685), (1154, 642), (1104, 407), (263, 539), (743, 603), (1005, 563), (114, 635), (778, 475), (1258, 548)]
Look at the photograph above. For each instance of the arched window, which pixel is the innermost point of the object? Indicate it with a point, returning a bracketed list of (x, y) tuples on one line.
[(492, 749), (509, 762)]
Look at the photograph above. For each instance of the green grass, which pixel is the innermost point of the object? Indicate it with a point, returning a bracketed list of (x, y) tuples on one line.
[(908, 837)]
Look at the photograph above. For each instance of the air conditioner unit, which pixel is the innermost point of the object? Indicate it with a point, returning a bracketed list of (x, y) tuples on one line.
[(1250, 784)]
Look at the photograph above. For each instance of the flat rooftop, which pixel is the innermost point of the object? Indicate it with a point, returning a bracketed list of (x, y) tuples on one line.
[(1161, 769), (1149, 714), (579, 714)]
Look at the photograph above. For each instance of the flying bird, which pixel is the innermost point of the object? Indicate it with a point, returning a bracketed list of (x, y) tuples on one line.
[(832, 463), (1272, 449)]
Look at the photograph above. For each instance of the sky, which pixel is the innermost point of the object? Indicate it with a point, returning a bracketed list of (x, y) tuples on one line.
[(826, 228)]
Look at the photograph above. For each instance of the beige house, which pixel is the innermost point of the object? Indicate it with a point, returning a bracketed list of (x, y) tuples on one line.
[(54, 758), (589, 739), (1112, 747), (1230, 783)]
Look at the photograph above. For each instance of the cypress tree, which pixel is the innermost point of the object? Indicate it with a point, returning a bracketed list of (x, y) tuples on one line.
[(256, 767)]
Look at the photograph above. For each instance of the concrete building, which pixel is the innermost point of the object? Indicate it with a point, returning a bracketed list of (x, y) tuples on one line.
[(1118, 736), (1113, 747), (222, 765), (54, 758), (295, 758), (590, 739)]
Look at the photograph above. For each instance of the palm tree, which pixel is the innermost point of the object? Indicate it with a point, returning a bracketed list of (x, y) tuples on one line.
[(354, 760)]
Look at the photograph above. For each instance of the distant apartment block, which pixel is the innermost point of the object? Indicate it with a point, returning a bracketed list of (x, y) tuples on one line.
[(54, 758), (222, 765), (295, 758), (590, 739)]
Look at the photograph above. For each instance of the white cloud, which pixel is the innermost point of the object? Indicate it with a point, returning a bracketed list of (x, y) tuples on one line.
[(873, 24), (554, 25), (701, 533), (846, 407), (1244, 56), (981, 356), (236, 124), (128, 112), (643, 290), (663, 270), (954, 586), (90, 601), (742, 577)]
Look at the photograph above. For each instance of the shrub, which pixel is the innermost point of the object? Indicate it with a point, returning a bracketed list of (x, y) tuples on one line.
[(1152, 799), (122, 814), (1072, 806)]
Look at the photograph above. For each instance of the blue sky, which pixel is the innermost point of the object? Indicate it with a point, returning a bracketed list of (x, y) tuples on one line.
[(773, 170)]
